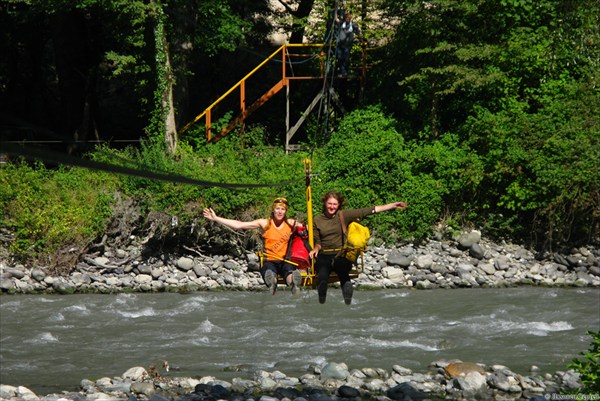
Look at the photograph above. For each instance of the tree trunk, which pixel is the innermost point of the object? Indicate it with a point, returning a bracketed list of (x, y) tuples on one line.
[(164, 81), (301, 14), (167, 103)]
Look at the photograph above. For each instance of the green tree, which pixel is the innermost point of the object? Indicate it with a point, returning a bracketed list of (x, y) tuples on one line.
[(515, 81), (86, 70)]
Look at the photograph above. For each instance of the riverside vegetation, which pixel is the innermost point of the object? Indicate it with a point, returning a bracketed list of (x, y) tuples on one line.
[(163, 250)]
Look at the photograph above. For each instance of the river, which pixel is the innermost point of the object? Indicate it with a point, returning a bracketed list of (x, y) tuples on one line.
[(48, 343)]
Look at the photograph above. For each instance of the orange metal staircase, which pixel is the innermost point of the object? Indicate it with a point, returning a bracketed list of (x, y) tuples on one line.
[(282, 54), (314, 50)]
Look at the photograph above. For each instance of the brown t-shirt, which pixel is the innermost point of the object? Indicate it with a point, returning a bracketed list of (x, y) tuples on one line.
[(328, 231)]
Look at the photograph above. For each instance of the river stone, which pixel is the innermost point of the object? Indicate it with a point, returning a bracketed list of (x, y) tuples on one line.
[(348, 392), (100, 396), (458, 369), (370, 372), (290, 393), (267, 384), (38, 274), (401, 370), (465, 241), (424, 285), (63, 287), (267, 398), (144, 388), (80, 279), (487, 268), (143, 278), (120, 386), (499, 381), (6, 284), (523, 254), (231, 265), (201, 270), (335, 371), (396, 259), (424, 261), (561, 260), (439, 268), (156, 273), (135, 374), (158, 397), (501, 263), (185, 264), (393, 274), (406, 391), (472, 384), (145, 269), (215, 391), (15, 272), (101, 261), (476, 251)]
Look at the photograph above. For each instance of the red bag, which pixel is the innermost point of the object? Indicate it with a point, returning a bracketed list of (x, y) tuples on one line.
[(298, 248)]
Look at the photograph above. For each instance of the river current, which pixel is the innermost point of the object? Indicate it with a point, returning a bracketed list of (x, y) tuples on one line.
[(50, 342)]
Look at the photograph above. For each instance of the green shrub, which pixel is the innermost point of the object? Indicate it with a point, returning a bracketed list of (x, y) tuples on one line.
[(368, 161), (589, 366), (52, 210)]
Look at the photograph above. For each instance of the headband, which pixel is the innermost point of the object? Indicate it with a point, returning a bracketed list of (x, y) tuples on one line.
[(280, 202)]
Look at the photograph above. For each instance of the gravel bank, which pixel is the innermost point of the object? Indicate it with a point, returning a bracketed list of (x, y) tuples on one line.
[(467, 262)]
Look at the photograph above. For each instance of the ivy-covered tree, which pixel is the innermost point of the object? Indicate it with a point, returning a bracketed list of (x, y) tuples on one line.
[(104, 69)]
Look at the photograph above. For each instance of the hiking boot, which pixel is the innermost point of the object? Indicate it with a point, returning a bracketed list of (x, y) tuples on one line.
[(271, 281), (296, 282), (347, 291), (322, 289)]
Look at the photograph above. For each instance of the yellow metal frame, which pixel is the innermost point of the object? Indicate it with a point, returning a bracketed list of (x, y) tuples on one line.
[(309, 275)]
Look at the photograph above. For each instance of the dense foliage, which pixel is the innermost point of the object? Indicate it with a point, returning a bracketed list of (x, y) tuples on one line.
[(54, 214), (479, 113), (516, 83)]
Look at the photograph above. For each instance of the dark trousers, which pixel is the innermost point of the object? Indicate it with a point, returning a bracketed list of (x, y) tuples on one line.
[(280, 268), (343, 59), (327, 263)]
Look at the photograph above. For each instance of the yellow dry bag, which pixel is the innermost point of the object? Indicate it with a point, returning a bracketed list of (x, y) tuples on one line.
[(357, 237)]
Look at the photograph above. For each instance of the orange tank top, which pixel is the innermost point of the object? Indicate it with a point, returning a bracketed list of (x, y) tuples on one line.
[(276, 240)]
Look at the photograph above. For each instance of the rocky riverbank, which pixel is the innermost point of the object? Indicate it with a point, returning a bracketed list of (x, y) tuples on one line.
[(454, 380), (467, 262)]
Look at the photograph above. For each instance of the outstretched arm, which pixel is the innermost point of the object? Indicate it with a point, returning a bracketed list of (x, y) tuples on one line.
[(390, 206), (210, 214)]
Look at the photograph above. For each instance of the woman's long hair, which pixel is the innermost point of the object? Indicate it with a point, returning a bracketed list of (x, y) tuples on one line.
[(337, 196)]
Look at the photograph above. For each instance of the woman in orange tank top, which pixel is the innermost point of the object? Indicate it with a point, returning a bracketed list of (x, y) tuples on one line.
[(276, 231)]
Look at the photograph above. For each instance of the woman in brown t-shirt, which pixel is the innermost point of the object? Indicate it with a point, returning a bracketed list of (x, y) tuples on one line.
[(329, 238)]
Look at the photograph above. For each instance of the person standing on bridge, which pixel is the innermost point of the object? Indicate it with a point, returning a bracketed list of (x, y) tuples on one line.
[(276, 232), (347, 30)]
